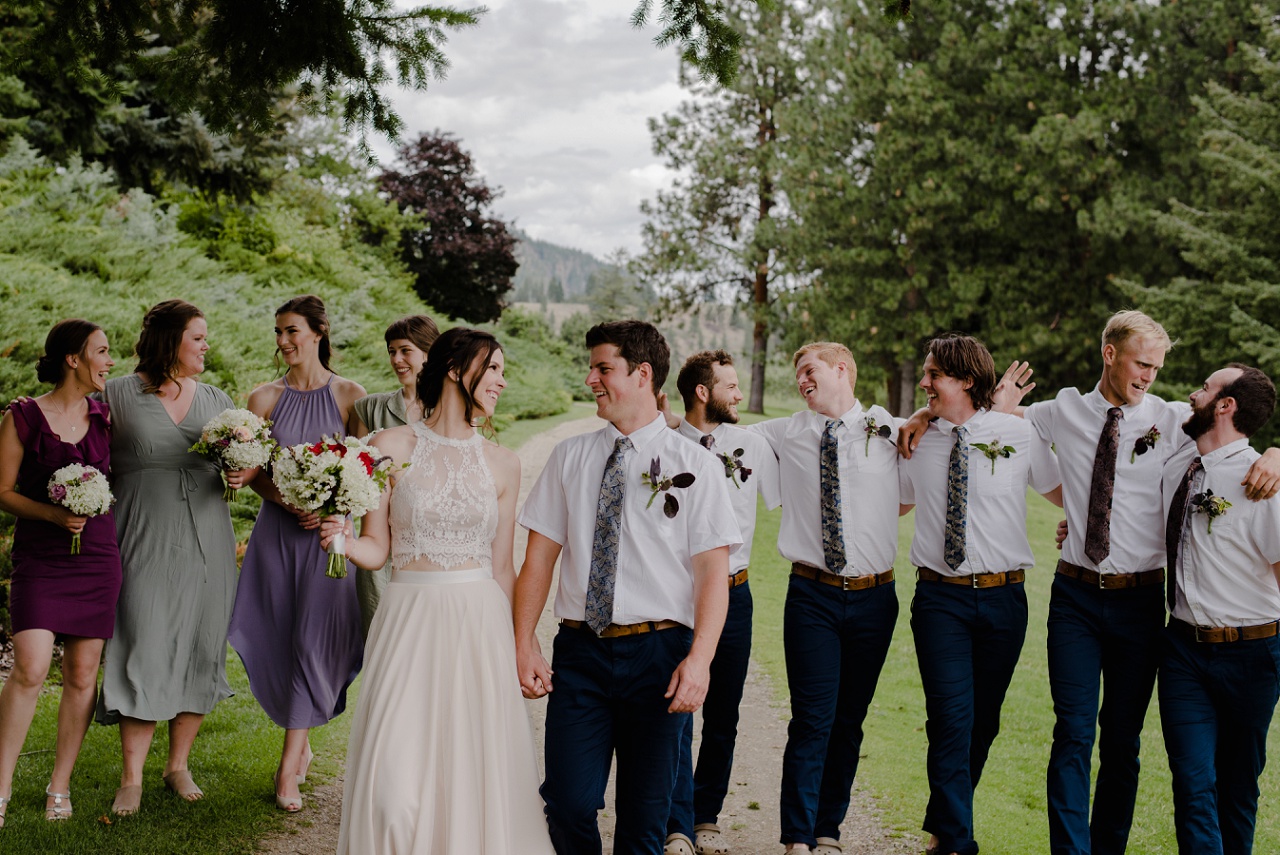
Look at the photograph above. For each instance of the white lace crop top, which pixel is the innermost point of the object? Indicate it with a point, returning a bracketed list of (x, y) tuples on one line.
[(444, 507)]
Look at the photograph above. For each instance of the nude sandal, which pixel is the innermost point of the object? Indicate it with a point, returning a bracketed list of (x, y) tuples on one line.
[(182, 784), (128, 800)]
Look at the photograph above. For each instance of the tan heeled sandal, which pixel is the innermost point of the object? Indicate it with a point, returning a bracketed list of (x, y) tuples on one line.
[(61, 807)]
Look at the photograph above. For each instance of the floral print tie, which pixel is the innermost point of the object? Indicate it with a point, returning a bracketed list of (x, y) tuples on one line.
[(1173, 531), (604, 546), (957, 500), (1097, 533), (829, 479)]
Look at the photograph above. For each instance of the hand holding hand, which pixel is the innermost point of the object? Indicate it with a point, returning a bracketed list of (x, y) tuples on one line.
[(535, 673)]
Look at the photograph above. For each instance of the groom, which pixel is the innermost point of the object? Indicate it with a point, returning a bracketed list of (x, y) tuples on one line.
[(645, 527)]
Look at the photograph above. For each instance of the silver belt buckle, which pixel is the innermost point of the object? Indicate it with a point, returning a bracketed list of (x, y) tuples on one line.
[(973, 581)]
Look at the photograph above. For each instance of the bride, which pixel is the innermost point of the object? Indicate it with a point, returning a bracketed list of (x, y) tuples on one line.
[(441, 758)]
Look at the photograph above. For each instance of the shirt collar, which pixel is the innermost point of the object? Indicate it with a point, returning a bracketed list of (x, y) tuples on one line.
[(642, 437), (1099, 402), (851, 419), (397, 406), (696, 434), (975, 421), (1220, 454)]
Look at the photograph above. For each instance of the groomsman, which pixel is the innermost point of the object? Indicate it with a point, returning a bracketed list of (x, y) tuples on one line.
[(708, 383), (643, 524), (1218, 678), (968, 480), (839, 475)]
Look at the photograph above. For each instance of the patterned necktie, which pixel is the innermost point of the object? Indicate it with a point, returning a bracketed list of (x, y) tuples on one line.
[(1097, 533), (957, 500), (604, 546), (829, 482), (1173, 530), (707, 441)]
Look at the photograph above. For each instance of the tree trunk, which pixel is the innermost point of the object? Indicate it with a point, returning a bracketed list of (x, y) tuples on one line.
[(902, 389), (759, 350), (766, 133)]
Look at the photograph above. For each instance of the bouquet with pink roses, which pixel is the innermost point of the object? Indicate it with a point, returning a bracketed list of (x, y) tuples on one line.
[(235, 440), (84, 491)]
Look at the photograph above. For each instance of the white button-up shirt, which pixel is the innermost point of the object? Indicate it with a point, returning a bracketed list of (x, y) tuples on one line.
[(868, 488), (996, 518), (655, 553), (1224, 575), (763, 480), (1073, 423)]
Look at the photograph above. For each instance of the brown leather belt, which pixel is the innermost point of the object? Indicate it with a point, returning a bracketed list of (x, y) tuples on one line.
[(738, 578), (844, 583), (618, 630), (973, 580), (1111, 581), (1223, 634)]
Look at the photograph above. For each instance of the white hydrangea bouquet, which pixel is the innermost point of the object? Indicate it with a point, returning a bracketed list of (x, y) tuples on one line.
[(84, 491), (333, 477), (236, 439)]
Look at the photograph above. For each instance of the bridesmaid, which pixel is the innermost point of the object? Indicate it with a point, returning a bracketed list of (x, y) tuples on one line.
[(408, 341), (54, 593), (167, 661), (296, 630)]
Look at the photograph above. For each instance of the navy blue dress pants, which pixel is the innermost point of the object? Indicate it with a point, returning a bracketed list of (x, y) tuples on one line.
[(967, 644), (607, 699), (1216, 703), (699, 794), (835, 643), (1098, 639)]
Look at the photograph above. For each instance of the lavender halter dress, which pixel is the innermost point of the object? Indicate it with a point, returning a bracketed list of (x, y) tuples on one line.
[(296, 630)]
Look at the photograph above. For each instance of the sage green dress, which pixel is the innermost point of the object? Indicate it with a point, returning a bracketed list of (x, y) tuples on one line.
[(178, 557), (377, 412)]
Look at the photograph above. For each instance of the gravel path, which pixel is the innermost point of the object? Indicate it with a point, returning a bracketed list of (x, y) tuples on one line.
[(750, 816)]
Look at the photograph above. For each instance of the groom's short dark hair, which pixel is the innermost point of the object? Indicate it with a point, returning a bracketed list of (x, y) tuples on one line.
[(637, 342)]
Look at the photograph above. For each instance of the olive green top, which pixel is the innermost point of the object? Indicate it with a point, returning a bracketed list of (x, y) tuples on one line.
[(382, 410)]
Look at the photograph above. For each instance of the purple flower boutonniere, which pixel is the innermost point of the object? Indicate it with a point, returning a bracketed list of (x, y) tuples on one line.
[(994, 450), (659, 483), (872, 429), (1144, 443), (1210, 505), (733, 463)]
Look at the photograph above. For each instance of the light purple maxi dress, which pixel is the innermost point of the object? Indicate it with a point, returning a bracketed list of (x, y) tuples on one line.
[(296, 630)]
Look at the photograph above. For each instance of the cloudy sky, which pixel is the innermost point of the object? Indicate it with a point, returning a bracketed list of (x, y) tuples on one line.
[(551, 98)]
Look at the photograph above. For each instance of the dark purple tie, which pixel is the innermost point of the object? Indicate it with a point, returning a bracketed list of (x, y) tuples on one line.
[(1173, 530), (1097, 534), (707, 441)]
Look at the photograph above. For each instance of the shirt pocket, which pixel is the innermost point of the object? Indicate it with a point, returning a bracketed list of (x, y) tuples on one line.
[(987, 480)]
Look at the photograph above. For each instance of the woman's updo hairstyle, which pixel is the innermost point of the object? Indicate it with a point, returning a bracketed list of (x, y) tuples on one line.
[(310, 308), (160, 341), (456, 350), (67, 338)]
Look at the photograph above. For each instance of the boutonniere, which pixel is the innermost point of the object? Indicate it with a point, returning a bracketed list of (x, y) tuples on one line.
[(733, 463), (872, 429), (660, 483), (993, 450), (1210, 505), (1145, 443)]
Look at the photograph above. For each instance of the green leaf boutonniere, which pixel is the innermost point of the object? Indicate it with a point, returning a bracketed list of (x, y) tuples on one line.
[(994, 450), (1144, 443), (1210, 505), (659, 483), (872, 429), (733, 463)]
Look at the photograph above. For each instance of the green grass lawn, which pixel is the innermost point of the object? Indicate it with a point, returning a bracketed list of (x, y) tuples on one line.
[(1009, 805)]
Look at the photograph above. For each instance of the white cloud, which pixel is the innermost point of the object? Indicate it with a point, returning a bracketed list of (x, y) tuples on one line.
[(551, 98)]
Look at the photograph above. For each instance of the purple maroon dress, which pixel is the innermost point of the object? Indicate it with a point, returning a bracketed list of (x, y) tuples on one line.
[(296, 630), (52, 589)]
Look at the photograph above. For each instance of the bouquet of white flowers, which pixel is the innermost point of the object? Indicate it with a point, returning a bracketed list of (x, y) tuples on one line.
[(236, 439), (333, 477), (84, 491)]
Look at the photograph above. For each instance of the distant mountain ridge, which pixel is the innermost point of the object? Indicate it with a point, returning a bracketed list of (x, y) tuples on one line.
[(542, 262)]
